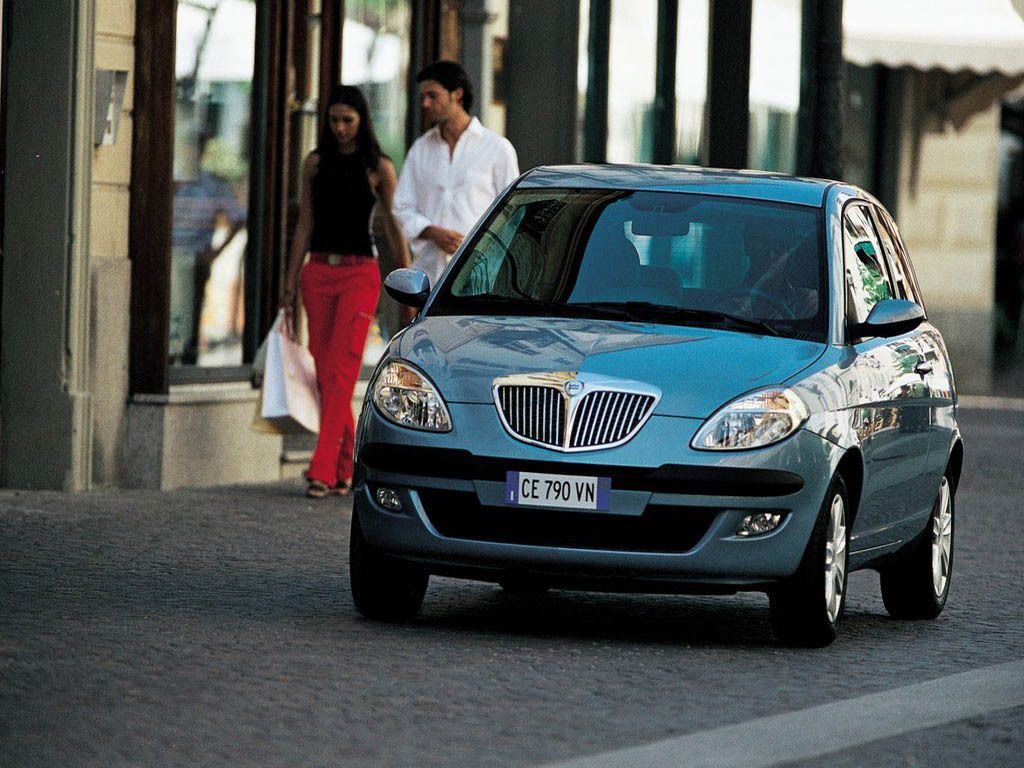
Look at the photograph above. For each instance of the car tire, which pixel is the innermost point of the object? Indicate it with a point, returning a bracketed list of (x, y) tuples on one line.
[(916, 585), (383, 588), (807, 608)]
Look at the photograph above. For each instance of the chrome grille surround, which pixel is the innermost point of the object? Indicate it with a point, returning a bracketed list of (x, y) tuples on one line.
[(601, 412)]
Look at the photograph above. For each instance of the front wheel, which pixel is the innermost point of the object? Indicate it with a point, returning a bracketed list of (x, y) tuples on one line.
[(807, 608), (916, 586), (383, 588)]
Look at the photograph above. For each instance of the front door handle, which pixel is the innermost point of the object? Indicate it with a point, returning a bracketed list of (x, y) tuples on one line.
[(923, 369)]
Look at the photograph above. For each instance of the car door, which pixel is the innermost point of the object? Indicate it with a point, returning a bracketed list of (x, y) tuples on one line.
[(934, 368), (890, 403)]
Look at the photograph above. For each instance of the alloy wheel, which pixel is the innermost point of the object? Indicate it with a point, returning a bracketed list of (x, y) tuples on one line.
[(942, 538), (835, 558)]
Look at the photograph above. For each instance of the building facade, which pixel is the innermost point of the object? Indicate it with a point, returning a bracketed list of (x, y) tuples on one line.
[(151, 167)]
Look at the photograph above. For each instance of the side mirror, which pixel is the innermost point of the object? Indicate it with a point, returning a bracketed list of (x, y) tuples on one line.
[(408, 286), (889, 317)]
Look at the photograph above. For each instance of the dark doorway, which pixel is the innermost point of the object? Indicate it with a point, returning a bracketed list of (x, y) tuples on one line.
[(1009, 289)]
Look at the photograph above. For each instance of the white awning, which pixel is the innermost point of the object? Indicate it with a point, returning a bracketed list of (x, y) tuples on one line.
[(980, 36)]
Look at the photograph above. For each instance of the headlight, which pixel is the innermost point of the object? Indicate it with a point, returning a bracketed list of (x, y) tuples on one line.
[(408, 398), (752, 421)]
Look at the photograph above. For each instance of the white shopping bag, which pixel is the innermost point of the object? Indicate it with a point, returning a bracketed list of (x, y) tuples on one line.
[(289, 401), (259, 360)]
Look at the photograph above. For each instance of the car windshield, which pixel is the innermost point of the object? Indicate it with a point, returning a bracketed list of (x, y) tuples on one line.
[(663, 257)]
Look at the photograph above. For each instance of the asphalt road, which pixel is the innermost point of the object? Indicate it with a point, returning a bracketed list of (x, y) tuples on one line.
[(216, 628)]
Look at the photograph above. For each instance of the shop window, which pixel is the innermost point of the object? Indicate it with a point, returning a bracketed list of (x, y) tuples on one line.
[(631, 77), (214, 56), (691, 79), (774, 84), (375, 55)]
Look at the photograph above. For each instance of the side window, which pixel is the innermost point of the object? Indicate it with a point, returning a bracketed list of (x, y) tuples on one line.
[(900, 283), (866, 280), (901, 261)]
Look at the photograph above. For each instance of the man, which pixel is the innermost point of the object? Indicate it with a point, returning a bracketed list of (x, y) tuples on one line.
[(452, 173), (782, 277)]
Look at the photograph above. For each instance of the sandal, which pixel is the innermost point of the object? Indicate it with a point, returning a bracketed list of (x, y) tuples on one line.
[(344, 489), (317, 489)]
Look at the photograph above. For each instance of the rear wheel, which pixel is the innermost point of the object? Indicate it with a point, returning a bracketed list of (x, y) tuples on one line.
[(916, 586), (807, 608), (383, 588)]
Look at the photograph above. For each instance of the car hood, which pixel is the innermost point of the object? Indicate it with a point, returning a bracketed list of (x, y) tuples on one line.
[(697, 369)]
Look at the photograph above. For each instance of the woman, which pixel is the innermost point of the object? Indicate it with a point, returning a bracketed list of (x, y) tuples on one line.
[(342, 180)]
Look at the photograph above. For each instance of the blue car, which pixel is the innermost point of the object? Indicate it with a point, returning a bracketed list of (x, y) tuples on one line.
[(664, 379)]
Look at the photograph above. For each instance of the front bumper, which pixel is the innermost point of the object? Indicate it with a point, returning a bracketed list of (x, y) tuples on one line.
[(671, 524)]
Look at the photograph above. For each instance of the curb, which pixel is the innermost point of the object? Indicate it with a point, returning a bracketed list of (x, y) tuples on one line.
[(991, 403)]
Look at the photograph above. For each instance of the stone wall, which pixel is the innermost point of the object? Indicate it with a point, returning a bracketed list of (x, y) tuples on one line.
[(947, 216)]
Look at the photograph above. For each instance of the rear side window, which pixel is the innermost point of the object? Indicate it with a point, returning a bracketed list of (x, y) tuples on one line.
[(867, 282)]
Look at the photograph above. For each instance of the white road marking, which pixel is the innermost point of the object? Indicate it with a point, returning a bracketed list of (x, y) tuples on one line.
[(809, 733)]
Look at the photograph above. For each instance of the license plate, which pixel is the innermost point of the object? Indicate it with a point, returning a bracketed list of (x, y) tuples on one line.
[(570, 491)]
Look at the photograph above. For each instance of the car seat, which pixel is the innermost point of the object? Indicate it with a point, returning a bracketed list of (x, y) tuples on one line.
[(610, 263)]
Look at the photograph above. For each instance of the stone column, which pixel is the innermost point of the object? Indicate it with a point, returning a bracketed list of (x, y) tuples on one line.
[(45, 437), (543, 53)]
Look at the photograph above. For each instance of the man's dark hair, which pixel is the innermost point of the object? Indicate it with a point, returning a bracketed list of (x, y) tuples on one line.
[(450, 75)]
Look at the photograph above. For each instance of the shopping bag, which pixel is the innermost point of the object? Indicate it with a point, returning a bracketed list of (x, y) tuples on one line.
[(289, 401), (259, 360)]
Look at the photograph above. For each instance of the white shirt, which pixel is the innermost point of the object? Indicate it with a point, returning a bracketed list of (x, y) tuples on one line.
[(450, 189)]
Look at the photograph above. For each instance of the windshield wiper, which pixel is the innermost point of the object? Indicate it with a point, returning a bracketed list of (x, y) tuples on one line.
[(645, 310)]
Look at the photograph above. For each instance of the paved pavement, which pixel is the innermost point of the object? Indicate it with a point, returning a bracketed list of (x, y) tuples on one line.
[(215, 628)]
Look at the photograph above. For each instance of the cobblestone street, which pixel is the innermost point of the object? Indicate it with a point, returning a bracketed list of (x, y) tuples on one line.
[(215, 627)]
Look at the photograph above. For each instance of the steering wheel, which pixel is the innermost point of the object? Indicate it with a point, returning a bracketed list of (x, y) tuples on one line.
[(781, 309)]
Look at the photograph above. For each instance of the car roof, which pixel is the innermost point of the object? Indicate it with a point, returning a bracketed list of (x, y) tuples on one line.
[(753, 185)]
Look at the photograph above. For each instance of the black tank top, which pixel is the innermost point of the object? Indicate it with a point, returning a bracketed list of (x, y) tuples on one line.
[(342, 201)]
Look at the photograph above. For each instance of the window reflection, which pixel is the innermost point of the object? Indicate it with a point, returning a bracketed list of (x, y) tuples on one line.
[(866, 281), (213, 66), (375, 57)]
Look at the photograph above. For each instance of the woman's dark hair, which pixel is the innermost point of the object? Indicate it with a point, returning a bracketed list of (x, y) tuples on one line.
[(450, 75), (366, 140)]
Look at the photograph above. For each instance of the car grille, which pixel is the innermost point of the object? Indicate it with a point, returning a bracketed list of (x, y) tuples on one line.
[(534, 413), (668, 529), (544, 415), (604, 418)]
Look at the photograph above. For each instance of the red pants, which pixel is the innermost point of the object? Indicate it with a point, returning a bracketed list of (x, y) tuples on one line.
[(340, 302)]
